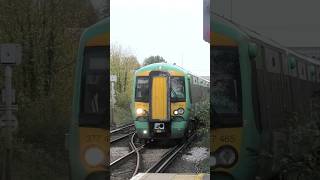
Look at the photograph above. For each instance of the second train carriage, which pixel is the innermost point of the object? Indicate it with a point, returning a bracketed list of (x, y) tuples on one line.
[(257, 85), (164, 102)]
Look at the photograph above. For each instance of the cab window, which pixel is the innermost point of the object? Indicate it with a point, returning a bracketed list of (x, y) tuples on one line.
[(142, 89), (177, 91), (226, 84), (94, 87)]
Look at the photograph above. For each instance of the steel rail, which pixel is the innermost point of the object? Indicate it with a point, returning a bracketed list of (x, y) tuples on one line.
[(121, 128), (169, 157), (138, 154), (121, 137), (126, 156)]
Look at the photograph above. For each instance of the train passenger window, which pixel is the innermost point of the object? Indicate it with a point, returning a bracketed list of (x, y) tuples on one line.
[(285, 65), (311, 73), (258, 58), (272, 61), (302, 71), (177, 89), (318, 73), (292, 66), (195, 80), (226, 87), (190, 94), (142, 89)]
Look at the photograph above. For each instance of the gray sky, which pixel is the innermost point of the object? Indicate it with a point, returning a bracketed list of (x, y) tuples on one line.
[(290, 22), (168, 28)]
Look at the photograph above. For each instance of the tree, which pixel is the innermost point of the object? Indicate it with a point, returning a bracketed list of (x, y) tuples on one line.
[(44, 80), (122, 64), (153, 59)]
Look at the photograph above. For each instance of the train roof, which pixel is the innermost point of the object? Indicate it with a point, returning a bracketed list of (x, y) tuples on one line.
[(167, 66), (99, 29), (248, 33)]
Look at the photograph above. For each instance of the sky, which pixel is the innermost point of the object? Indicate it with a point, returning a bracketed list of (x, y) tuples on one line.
[(290, 22), (172, 29)]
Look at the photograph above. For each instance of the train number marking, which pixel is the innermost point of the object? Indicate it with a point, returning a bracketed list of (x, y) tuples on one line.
[(227, 139), (94, 138)]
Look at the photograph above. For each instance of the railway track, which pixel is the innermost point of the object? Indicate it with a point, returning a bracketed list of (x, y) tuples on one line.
[(121, 128), (134, 151), (156, 167), (117, 134), (169, 157)]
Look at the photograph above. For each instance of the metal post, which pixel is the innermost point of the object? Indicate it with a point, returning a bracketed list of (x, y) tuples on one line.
[(113, 79), (112, 103), (10, 54), (8, 119)]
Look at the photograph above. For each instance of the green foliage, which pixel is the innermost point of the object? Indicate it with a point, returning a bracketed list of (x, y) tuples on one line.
[(122, 116), (203, 132), (299, 152), (123, 64), (49, 32), (203, 113), (153, 59)]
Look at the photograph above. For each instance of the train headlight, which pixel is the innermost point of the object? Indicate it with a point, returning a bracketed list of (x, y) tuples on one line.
[(94, 156), (179, 111), (139, 112), (226, 156), (175, 112)]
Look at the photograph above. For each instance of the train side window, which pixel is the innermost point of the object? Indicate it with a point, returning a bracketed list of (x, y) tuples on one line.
[(284, 65), (302, 70), (292, 66), (272, 61), (194, 80), (311, 73), (190, 94), (259, 59), (318, 73)]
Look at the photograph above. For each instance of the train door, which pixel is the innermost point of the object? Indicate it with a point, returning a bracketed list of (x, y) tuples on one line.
[(159, 98), (159, 103)]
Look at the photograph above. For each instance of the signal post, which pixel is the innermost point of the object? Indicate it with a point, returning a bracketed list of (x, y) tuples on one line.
[(10, 55)]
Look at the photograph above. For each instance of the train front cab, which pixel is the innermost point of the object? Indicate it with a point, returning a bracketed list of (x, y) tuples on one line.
[(233, 130), (160, 102), (89, 131)]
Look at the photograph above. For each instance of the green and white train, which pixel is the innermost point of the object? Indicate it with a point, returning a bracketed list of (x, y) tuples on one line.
[(164, 101), (258, 86)]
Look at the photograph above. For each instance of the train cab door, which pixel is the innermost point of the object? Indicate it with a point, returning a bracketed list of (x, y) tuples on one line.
[(159, 102)]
